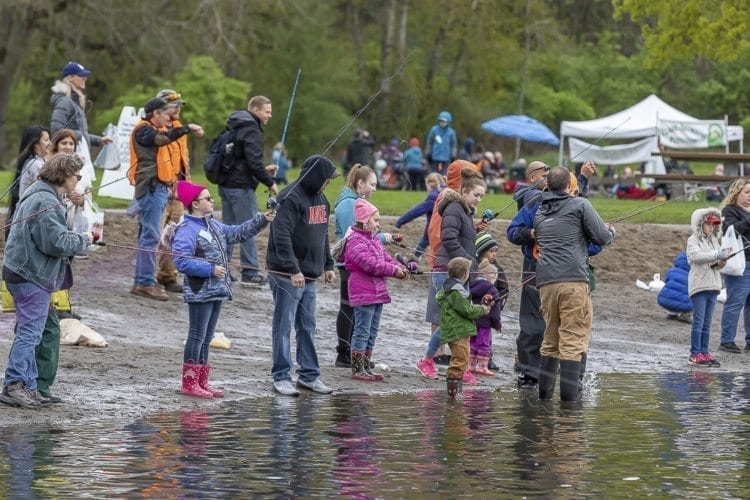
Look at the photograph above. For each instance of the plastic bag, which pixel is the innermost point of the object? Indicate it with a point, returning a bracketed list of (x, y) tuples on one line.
[(109, 154), (735, 266)]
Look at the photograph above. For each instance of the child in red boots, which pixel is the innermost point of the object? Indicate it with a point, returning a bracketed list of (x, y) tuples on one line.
[(369, 265), (200, 254)]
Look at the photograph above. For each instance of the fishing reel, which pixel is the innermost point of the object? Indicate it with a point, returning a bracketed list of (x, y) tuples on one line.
[(397, 237), (487, 300), (272, 204), (411, 265), (487, 215)]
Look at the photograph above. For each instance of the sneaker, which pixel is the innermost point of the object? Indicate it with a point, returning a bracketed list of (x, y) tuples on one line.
[(711, 360), (256, 280), (730, 347), (426, 367), (16, 394), (470, 379), (154, 292), (173, 287), (314, 386), (285, 388), (443, 359), (698, 360), (685, 317)]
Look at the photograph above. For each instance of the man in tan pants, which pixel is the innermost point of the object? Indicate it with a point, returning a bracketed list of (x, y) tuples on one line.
[(166, 274)]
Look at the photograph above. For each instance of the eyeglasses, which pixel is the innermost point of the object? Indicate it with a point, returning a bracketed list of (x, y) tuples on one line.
[(207, 198)]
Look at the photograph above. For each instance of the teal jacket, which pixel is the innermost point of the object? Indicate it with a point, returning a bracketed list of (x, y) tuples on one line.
[(39, 240), (457, 313)]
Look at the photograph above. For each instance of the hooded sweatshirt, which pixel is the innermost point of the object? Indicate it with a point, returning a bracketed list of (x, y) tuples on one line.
[(442, 143), (702, 251), (298, 241), (248, 169), (564, 226)]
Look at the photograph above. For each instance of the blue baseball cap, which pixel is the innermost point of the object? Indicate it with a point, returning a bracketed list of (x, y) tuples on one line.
[(73, 68)]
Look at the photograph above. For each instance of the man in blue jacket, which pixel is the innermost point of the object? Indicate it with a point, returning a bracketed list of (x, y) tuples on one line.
[(298, 254)]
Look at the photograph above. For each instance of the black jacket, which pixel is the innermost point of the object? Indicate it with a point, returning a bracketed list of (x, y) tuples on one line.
[(299, 235), (248, 169)]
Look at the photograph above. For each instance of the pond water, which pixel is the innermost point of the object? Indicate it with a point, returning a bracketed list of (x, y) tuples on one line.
[(633, 435)]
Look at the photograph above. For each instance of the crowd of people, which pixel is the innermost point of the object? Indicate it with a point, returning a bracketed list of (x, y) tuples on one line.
[(555, 227)]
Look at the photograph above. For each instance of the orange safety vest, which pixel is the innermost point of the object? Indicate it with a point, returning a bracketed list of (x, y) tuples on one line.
[(164, 168), (179, 154)]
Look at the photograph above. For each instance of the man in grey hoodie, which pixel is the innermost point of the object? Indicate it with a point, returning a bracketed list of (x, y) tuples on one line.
[(564, 225)]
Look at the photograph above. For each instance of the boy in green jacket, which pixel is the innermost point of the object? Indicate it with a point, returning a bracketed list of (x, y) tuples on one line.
[(457, 315)]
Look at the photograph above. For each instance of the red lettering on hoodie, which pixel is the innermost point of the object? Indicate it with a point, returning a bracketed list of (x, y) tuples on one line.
[(317, 215)]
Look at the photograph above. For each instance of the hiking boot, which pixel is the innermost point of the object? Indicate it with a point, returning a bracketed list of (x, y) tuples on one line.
[(730, 347), (711, 360), (256, 280), (443, 359), (426, 367), (172, 286), (16, 394), (154, 292), (43, 401), (285, 388), (314, 386), (698, 360)]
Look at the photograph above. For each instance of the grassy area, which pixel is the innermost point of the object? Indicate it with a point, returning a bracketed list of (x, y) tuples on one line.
[(398, 202)]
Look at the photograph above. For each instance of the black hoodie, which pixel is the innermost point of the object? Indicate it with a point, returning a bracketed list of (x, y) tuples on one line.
[(298, 241), (248, 169)]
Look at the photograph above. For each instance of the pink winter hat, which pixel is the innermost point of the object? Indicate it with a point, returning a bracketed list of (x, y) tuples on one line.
[(363, 210), (187, 192)]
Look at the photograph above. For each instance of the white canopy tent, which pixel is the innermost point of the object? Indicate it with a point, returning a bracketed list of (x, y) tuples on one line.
[(639, 121)]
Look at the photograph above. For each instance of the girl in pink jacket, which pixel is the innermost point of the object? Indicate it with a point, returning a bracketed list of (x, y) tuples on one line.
[(369, 265)]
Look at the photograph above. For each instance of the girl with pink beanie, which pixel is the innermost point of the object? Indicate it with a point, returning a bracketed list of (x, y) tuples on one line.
[(369, 265), (200, 253)]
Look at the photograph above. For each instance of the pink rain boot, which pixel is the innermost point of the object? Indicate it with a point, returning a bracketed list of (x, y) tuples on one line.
[(470, 379), (190, 386), (481, 368), (205, 371)]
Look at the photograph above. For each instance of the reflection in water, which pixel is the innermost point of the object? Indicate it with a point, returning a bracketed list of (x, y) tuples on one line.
[(670, 435)]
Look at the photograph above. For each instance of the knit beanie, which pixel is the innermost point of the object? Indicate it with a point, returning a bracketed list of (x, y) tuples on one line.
[(187, 192), (484, 242), (488, 270), (363, 210)]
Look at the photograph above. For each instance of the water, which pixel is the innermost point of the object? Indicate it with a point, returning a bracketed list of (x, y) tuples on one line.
[(634, 435)]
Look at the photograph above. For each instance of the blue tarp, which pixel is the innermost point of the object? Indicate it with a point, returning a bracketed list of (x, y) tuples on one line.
[(522, 127)]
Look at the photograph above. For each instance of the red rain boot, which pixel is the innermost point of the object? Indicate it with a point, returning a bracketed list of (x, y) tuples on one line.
[(205, 371), (190, 386)]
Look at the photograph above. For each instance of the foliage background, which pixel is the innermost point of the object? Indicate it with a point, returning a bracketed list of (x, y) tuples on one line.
[(552, 59)]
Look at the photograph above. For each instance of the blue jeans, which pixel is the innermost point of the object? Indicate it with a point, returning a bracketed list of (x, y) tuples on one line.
[(237, 206), (703, 311), (203, 317), (152, 210), (32, 307), (738, 296), (366, 324), (293, 307)]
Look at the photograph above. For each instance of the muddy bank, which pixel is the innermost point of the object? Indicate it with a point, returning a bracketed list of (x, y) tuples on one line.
[(139, 372)]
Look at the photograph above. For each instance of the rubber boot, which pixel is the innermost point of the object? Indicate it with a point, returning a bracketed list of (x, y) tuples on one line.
[(369, 367), (492, 365), (205, 371), (547, 376), (190, 386), (570, 377), (472, 363), (358, 367), (454, 386), (583, 372), (482, 368)]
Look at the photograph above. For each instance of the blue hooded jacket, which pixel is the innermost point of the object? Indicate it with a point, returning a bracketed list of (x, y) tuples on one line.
[(442, 142), (674, 296)]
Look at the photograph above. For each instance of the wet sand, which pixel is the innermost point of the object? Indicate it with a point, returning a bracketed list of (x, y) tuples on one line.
[(139, 373)]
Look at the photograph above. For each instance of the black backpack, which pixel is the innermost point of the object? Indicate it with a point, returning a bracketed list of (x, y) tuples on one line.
[(220, 157)]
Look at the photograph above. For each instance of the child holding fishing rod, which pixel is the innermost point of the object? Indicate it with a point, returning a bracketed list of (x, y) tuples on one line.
[(368, 265), (706, 258), (199, 250)]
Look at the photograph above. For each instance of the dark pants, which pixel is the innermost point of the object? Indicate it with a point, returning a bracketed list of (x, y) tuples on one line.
[(416, 180), (531, 322), (345, 318), (202, 318), (47, 354)]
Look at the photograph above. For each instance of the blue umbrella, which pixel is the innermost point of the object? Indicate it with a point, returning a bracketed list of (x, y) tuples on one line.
[(521, 127)]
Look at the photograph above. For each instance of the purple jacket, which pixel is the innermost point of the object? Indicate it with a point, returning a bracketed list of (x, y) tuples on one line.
[(479, 288), (369, 264)]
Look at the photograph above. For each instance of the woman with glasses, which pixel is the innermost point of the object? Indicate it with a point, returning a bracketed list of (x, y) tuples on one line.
[(36, 263)]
